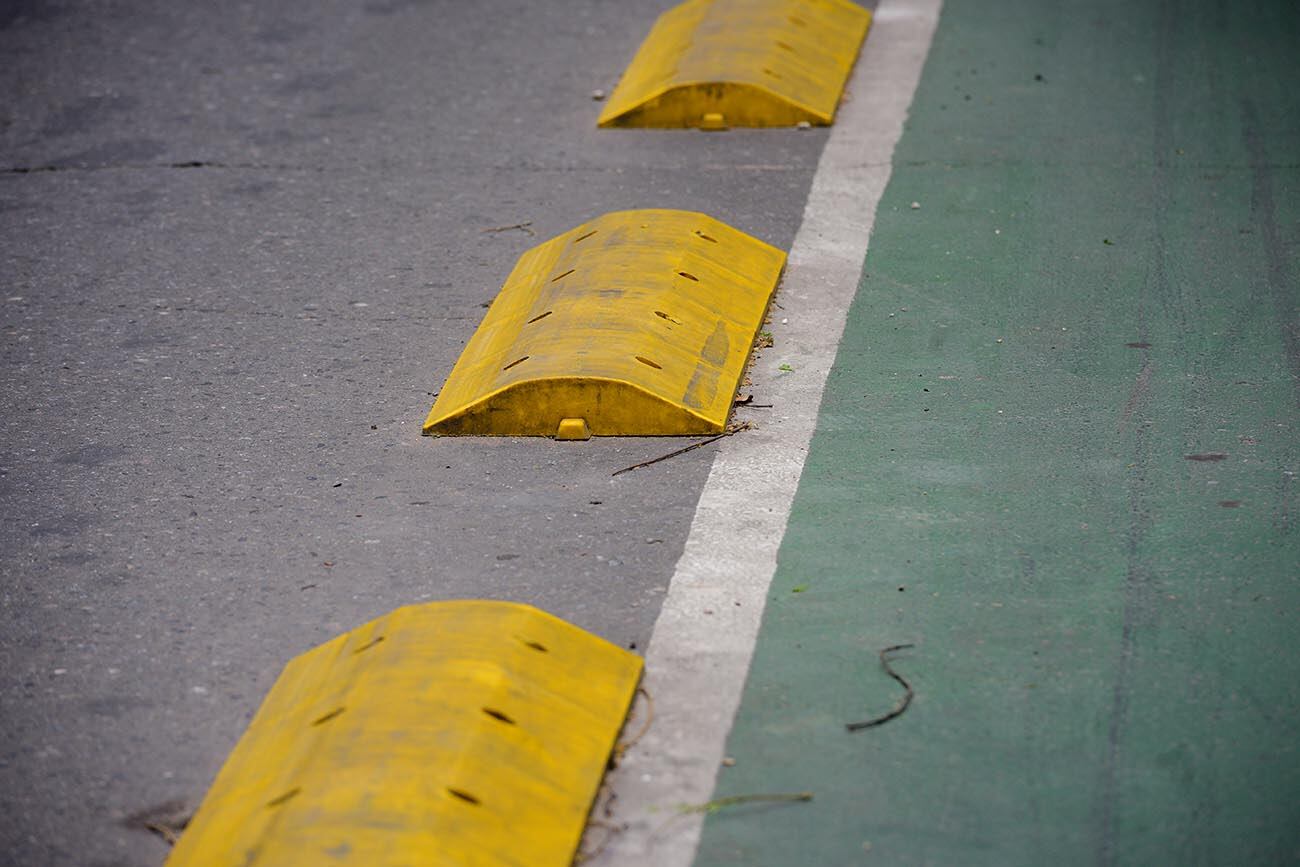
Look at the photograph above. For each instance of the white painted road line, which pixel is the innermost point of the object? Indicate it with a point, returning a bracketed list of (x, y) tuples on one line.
[(703, 641)]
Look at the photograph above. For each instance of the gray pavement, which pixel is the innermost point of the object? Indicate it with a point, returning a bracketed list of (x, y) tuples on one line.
[(243, 246)]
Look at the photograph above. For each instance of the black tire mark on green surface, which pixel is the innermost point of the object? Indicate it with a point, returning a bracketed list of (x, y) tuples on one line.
[(1138, 573), (1281, 286)]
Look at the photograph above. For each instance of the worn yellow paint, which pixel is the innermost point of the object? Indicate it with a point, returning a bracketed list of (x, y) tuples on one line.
[(637, 322), (715, 64), (451, 734)]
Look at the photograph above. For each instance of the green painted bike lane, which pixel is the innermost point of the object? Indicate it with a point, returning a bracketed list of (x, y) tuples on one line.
[(1056, 453)]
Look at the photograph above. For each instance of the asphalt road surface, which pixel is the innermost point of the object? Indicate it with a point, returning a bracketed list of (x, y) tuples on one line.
[(243, 246)]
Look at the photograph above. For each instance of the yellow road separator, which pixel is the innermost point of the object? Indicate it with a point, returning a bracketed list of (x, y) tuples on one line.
[(715, 64), (637, 323), (451, 734)]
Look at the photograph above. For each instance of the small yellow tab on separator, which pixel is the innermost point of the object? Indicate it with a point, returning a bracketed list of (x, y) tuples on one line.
[(640, 323), (741, 63), (713, 122), (449, 734), (573, 429)]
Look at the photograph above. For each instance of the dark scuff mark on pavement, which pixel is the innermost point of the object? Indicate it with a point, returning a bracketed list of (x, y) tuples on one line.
[(1137, 581), (183, 164), (1137, 578), (1280, 284), (1281, 287), (1282, 504), (1138, 394)]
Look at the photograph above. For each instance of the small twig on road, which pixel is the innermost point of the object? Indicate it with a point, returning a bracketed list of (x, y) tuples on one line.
[(731, 429), (898, 708), (711, 807), (621, 749), (611, 831), (607, 792), (734, 800), (523, 227), (166, 820)]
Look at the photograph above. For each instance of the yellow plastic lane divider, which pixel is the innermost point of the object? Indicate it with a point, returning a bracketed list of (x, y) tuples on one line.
[(718, 63), (450, 734), (636, 323)]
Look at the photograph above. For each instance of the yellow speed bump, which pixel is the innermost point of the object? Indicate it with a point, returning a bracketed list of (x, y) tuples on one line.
[(450, 734), (636, 323), (718, 63)]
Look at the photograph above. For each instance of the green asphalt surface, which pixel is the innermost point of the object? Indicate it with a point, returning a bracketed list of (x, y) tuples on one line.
[(1057, 453)]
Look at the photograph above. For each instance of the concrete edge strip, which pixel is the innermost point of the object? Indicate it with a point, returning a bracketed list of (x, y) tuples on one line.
[(703, 641)]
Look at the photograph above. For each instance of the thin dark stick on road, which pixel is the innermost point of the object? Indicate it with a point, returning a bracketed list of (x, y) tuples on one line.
[(734, 429), (901, 707)]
